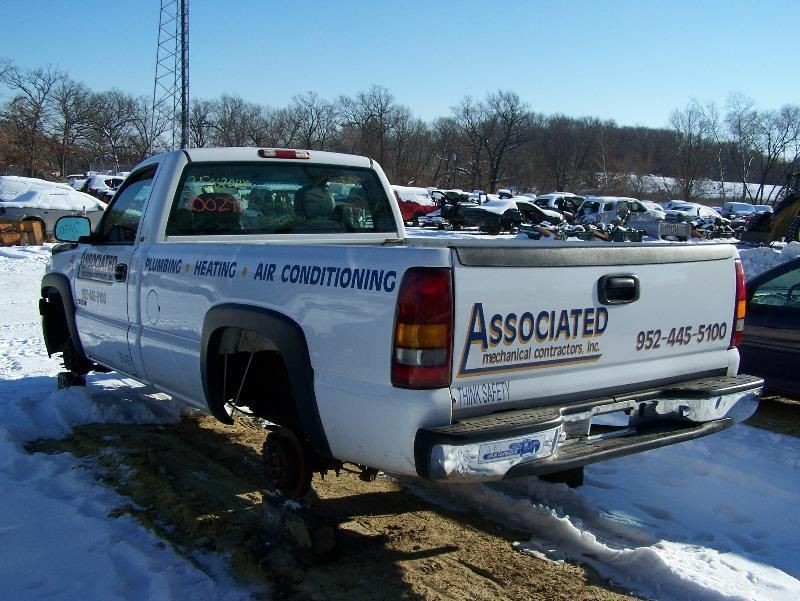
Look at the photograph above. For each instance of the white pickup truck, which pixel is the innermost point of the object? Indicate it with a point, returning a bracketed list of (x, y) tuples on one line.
[(236, 279)]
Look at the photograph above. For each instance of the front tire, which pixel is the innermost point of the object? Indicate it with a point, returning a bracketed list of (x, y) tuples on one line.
[(286, 463)]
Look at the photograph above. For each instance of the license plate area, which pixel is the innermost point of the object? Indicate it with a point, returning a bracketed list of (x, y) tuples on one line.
[(603, 424)]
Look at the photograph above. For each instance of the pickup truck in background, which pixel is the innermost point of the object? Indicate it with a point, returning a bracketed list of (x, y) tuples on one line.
[(233, 279)]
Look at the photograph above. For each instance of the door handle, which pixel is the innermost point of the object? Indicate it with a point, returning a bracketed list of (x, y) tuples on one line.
[(618, 289), (121, 272)]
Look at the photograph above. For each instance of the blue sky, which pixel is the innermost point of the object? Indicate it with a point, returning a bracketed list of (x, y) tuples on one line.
[(631, 61)]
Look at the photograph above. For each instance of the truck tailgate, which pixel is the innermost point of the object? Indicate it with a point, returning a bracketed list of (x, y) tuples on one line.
[(536, 325)]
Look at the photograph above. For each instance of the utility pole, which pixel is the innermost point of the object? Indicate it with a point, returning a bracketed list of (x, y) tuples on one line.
[(184, 73), (171, 85)]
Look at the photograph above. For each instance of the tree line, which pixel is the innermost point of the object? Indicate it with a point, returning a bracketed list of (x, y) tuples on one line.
[(52, 125)]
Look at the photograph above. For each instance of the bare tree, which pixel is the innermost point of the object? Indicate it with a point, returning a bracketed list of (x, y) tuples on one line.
[(201, 123), (313, 121), (445, 152), (776, 134), (694, 136), (564, 146), (469, 117), (368, 119), (29, 109), (148, 130), (503, 130), (111, 119), (740, 120), (411, 148), (71, 110), (239, 123)]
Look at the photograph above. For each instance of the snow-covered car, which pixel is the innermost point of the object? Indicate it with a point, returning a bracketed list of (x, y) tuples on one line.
[(771, 345), (763, 208), (674, 202), (414, 203), (102, 186), (690, 211), (31, 199), (499, 214), (653, 206)]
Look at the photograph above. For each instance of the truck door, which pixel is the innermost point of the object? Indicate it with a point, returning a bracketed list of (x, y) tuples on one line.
[(102, 276)]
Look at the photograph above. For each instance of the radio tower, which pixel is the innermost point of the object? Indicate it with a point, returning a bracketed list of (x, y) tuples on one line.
[(171, 87)]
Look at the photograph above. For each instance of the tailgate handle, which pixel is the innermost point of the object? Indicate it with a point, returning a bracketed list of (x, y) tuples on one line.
[(618, 289)]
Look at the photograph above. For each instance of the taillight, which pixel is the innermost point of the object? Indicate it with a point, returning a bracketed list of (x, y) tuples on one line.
[(740, 308), (282, 153), (423, 329)]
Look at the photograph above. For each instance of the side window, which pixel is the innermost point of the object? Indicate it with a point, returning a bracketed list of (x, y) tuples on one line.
[(781, 291), (121, 220)]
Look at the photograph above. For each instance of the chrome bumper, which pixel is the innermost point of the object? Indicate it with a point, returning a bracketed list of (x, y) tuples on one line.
[(551, 439)]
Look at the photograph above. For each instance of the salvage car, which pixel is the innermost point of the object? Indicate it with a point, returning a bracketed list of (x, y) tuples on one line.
[(629, 211), (414, 203), (690, 211), (434, 219), (506, 214), (32, 199), (565, 203), (771, 345), (102, 186)]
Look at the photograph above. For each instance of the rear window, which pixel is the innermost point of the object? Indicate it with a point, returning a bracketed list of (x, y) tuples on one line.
[(278, 198)]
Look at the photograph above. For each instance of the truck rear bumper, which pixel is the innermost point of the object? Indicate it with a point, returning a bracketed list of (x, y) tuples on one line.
[(550, 439)]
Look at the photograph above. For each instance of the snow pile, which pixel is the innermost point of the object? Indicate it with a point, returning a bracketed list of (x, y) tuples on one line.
[(763, 258), (32, 193)]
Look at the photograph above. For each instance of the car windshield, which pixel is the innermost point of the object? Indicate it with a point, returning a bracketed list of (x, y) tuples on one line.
[(273, 198), (741, 207)]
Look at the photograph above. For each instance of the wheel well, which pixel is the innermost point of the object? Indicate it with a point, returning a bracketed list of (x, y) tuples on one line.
[(253, 374), (281, 387)]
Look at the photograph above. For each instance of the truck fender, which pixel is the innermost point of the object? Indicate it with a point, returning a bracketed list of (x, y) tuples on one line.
[(60, 283), (288, 336)]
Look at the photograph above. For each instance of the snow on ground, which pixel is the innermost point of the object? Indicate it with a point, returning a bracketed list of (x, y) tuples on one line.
[(57, 537), (710, 519), (706, 189)]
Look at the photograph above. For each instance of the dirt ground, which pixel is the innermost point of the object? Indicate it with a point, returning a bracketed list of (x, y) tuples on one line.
[(197, 484)]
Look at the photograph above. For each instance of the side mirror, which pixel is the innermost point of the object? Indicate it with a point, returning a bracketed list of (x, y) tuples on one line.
[(72, 228)]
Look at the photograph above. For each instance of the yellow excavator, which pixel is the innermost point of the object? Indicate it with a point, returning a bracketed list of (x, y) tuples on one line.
[(784, 221)]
